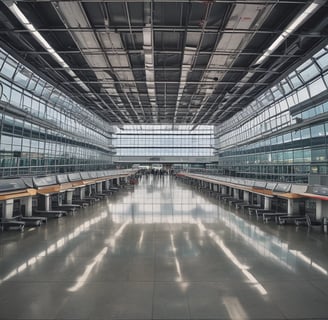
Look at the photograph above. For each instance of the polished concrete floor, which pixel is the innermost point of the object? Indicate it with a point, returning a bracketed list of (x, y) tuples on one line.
[(163, 251)]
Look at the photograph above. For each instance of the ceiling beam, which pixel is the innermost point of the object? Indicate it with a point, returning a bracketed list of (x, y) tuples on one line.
[(172, 69), (158, 52), (200, 1), (122, 29), (203, 82)]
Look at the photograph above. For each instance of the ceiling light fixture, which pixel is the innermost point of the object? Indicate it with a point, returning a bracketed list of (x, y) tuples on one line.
[(300, 19), (149, 69), (43, 42)]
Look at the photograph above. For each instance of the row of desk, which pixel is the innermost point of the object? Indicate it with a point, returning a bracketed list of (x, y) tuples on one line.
[(31, 201), (255, 198)]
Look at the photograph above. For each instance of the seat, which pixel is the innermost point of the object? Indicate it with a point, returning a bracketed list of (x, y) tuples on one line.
[(312, 223)]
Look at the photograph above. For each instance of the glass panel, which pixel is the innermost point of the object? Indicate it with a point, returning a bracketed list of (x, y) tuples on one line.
[(287, 137), (309, 72), (309, 113), (2, 58), (290, 100), (298, 155), (39, 87), (305, 133), (283, 105), (285, 85), (5, 92), (162, 140), (303, 94), (318, 109), (33, 82), (295, 80), (8, 68), (325, 107), (15, 98), (296, 135), (276, 93), (307, 155), (325, 77), (22, 76), (319, 154), (47, 91), (288, 156), (323, 62), (317, 87), (318, 131)]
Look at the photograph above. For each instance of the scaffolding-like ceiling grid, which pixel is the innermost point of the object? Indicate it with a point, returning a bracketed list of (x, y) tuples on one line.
[(164, 62)]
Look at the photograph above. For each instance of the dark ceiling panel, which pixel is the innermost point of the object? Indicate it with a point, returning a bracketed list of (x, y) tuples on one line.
[(169, 14), (173, 59), (117, 13), (41, 14), (198, 12), (166, 40), (132, 41)]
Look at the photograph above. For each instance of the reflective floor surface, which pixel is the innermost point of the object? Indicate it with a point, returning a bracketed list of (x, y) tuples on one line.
[(163, 251)]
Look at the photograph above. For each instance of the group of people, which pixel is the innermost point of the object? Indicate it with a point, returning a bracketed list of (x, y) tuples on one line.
[(157, 172)]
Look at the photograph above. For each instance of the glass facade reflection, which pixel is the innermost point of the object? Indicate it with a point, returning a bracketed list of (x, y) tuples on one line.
[(163, 140), (164, 200), (159, 199), (45, 131), (281, 136)]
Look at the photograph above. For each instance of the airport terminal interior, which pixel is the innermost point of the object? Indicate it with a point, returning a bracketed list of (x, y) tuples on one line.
[(164, 159)]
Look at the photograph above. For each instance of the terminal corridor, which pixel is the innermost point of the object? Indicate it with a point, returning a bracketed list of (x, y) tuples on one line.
[(163, 251)]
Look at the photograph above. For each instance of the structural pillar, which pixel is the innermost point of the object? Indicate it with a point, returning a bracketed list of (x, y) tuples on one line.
[(69, 196), (224, 189), (99, 187), (107, 185), (44, 202), (267, 203), (321, 209), (236, 193), (246, 196), (82, 193), (26, 203), (318, 209), (258, 199), (60, 199), (8, 208), (293, 207)]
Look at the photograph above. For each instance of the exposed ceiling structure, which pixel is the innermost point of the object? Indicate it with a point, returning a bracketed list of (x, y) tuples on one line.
[(173, 62)]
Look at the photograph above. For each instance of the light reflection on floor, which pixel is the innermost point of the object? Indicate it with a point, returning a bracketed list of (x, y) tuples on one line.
[(163, 251)]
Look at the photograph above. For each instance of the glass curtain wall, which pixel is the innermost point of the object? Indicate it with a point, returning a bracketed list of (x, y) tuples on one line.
[(163, 140), (282, 135), (43, 130)]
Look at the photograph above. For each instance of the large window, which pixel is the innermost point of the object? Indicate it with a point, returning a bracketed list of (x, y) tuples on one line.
[(45, 131), (270, 112), (163, 140), (280, 136)]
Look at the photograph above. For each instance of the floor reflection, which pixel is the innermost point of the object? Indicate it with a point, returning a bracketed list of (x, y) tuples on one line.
[(163, 251), (53, 247), (159, 199), (267, 244), (163, 202)]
